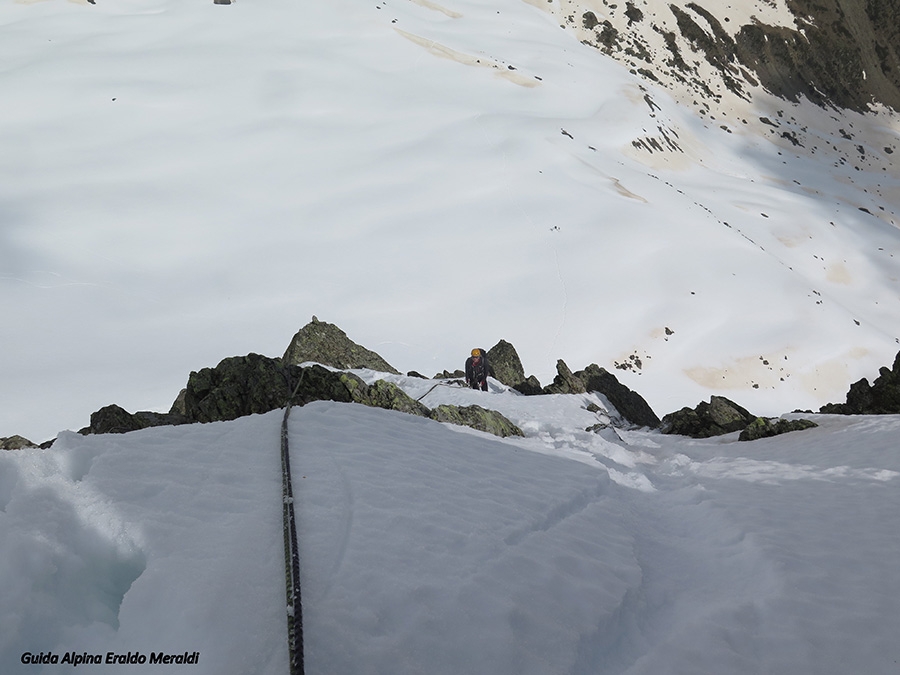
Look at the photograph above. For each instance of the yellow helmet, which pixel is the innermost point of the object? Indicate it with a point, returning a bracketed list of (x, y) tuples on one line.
[(476, 352)]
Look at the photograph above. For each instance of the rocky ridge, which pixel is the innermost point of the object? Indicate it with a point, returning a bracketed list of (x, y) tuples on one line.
[(255, 384)]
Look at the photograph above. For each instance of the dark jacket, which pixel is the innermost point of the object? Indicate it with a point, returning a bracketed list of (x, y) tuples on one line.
[(477, 372)]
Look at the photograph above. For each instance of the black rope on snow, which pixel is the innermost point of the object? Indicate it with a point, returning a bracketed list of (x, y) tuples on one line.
[(440, 384), (291, 549)]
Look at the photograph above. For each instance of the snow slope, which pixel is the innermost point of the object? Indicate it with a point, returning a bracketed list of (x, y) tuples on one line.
[(432, 548), (182, 182)]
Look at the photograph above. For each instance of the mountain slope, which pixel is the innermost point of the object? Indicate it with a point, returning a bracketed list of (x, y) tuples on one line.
[(186, 183)]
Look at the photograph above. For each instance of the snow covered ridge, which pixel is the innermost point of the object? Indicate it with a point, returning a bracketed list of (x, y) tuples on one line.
[(431, 548)]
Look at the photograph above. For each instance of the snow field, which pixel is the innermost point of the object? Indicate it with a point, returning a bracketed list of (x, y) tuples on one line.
[(198, 180), (428, 547)]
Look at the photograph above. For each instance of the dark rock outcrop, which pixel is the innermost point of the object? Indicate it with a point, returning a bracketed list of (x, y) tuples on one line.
[(387, 395), (763, 427), (530, 387), (629, 404), (841, 53), (114, 419), (15, 442), (327, 344), (882, 397), (447, 375), (255, 384), (565, 381), (719, 416), (476, 417), (506, 367), (243, 385), (252, 384), (848, 53)]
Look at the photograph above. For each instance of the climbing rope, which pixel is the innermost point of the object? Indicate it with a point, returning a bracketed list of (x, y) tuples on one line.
[(459, 385), (291, 549)]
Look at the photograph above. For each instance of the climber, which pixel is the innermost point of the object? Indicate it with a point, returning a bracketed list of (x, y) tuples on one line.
[(477, 370)]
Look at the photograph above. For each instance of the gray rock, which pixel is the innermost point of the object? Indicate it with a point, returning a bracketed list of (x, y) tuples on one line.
[(387, 395), (15, 442), (476, 417), (629, 404), (763, 427), (719, 416), (530, 387), (252, 384), (505, 365), (327, 344), (565, 381), (114, 419), (238, 386)]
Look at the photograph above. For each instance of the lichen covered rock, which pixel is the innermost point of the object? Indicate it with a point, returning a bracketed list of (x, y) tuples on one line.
[(15, 442), (325, 343), (763, 427), (565, 381), (476, 417)]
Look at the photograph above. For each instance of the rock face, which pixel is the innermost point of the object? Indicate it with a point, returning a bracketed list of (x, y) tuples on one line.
[(238, 386), (628, 403), (763, 427), (114, 419), (719, 416), (327, 344), (506, 367), (565, 381), (15, 442), (530, 387), (476, 417), (252, 384), (844, 53), (882, 397), (447, 375)]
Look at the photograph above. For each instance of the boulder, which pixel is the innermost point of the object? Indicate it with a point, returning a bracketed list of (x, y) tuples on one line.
[(447, 375), (530, 387), (252, 384), (565, 381), (476, 417), (238, 386), (628, 404), (882, 397), (15, 442), (719, 416), (505, 365), (763, 427), (114, 419), (327, 344), (387, 395)]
